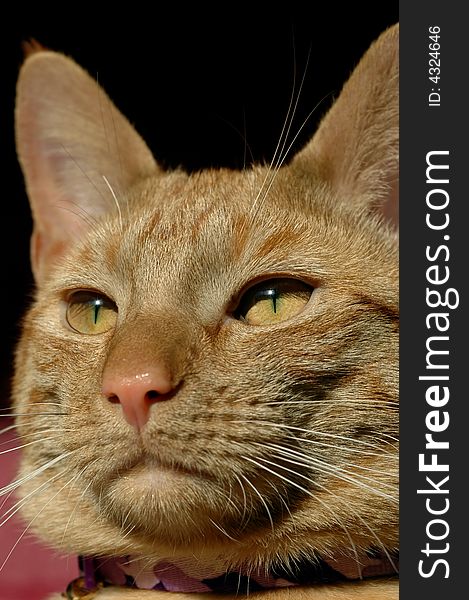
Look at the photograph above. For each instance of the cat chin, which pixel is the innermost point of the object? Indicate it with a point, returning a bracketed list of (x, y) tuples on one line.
[(142, 499)]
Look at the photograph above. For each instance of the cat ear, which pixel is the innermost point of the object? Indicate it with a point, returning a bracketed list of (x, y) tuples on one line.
[(355, 147), (78, 153)]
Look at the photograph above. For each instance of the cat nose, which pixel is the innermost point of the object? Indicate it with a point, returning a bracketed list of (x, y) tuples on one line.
[(137, 392)]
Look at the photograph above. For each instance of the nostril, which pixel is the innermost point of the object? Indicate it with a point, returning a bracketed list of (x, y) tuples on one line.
[(113, 398), (152, 396)]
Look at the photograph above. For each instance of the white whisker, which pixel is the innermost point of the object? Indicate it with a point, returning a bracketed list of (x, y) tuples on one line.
[(32, 521), (20, 503), (6, 430), (327, 508), (35, 434), (366, 525), (324, 434), (38, 404), (80, 497), (350, 402), (223, 531), (38, 414), (277, 161), (245, 506), (330, 470), (287, 123), (335, 473), (27, 444), (256, 491), (282, 154), (312, 460), (15, 484), (115, 200), (293, 483)]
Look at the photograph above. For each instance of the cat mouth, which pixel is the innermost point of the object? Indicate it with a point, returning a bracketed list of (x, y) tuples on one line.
[(153, 472)]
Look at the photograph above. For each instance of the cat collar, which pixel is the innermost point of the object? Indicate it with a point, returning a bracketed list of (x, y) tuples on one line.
[(181, 575)]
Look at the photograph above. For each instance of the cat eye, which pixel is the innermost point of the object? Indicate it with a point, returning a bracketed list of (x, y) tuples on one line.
[(90, 313), (273, 301)]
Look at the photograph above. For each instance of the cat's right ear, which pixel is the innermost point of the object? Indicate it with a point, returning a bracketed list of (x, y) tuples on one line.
[(78, 153), (355, 149)]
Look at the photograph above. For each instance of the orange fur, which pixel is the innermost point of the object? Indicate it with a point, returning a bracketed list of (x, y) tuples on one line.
[(175, 252)]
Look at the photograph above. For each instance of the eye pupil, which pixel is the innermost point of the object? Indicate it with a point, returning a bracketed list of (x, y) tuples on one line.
[(96, 307), (274, 295)]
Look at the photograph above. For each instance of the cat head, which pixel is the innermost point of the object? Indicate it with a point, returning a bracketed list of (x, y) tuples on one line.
[(210, 362)]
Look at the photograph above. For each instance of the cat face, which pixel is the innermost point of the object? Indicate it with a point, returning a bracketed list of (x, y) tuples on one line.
[(210, 363)]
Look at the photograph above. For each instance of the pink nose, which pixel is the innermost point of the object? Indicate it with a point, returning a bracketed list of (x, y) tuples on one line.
[(136, 393)]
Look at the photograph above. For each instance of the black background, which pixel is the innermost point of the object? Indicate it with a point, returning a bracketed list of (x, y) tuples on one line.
[(197, 84)]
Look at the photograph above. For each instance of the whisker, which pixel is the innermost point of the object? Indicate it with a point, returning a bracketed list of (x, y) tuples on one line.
[(229, 500), (308, 116), (325, 506), (282, 155), (37, 404), (245, 506), (12, 413), (38, 414), (293, 483), (6, 430), (286, 125), (367, 526), (80, 497), (223, 531), (391, 437), (313, 460), (27, 444), (34, 434), (282, 499), (320, 433), (323, 444), (32, 521), (279, 164), (115, 200), (309, 493), (360, 484), (15, 484), (20, 503), (351, 402), (331, 471), (256, 491)]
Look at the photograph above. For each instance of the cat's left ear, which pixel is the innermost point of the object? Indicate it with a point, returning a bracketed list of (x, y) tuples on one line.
[(78, 153), (355, 148)]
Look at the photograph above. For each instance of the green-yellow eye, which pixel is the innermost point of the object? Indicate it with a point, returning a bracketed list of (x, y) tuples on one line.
[(273, 301), (91, 313)]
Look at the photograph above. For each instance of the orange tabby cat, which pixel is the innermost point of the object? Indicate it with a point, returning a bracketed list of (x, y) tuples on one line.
[(209, 370)]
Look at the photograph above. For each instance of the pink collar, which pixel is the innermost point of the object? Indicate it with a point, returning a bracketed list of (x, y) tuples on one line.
[(182, 575)]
